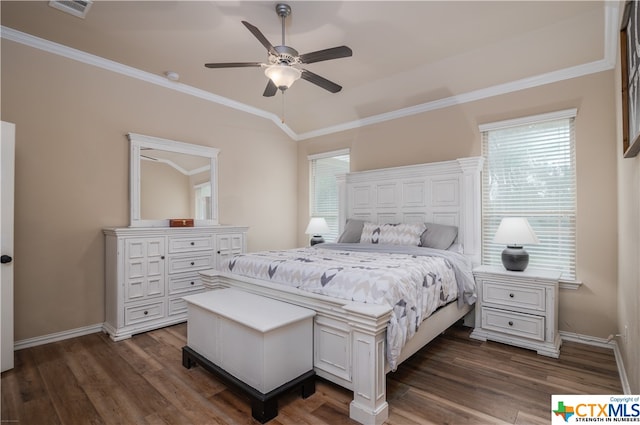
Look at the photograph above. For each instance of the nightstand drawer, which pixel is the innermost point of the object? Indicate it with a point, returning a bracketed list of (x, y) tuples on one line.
[(516, 296), (508, 322)]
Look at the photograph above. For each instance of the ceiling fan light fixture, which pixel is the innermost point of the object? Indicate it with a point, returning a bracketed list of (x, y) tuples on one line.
[(283, 76)]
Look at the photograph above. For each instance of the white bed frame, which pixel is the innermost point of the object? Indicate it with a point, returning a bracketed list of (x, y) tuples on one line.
[(349, 337)]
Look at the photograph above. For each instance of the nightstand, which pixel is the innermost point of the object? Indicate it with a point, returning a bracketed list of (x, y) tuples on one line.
[(518, 308)]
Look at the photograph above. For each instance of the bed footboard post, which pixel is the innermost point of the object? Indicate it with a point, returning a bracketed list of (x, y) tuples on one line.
[(368, 322)]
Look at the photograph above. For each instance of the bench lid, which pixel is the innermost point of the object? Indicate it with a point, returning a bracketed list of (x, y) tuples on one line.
[(260, 313)]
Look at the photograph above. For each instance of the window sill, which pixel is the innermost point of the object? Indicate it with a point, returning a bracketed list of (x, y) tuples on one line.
[(570, 284)]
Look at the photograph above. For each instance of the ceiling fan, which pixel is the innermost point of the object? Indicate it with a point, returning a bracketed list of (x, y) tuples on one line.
[(283, 67)]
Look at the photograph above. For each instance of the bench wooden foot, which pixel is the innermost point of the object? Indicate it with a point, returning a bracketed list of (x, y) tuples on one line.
[(264, 407), (264, 411)]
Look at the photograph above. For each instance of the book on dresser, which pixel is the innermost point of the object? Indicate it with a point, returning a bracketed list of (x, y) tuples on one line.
[(149, 270)]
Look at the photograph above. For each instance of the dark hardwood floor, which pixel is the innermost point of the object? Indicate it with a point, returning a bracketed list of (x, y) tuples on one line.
[(454, 380)]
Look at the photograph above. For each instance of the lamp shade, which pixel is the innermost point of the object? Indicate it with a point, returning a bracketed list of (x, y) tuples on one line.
[(283, 76), (515, 231), (317, 226)]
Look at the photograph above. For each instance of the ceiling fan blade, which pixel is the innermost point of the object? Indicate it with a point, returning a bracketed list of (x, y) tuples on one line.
[(261, 38), (270, 90), (326, 54), (232, 64), (320, 81)]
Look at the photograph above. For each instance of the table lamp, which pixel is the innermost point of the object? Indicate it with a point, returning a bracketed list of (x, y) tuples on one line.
[(317, 226), (515, 232)]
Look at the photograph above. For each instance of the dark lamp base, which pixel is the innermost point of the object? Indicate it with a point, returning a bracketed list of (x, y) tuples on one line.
[(515, 258), (316, 239)]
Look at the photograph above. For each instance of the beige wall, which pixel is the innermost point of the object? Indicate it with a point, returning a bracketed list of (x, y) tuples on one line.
[(629, 267), (453, 133), (72, 167), (629, 253)]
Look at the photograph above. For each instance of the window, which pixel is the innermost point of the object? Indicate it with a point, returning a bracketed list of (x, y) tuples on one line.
[(323, 192), (530, 172)]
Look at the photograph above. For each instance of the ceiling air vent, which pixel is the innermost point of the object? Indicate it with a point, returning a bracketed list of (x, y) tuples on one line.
[(77, 8)]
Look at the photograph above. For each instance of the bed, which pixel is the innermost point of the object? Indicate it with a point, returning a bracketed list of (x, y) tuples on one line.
[(358, 337)]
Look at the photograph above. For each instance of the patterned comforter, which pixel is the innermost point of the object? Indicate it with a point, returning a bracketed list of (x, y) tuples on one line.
[(413, 281)]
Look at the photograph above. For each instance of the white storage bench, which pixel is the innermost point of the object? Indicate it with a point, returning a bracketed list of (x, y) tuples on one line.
[(260, 345)]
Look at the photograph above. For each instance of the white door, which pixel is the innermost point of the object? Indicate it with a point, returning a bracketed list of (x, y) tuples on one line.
[(7, 154)]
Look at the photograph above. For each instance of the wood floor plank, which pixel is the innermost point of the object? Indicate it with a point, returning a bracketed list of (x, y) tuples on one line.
[(187, 400), (133, 353), (24, 397), (168, 416), (454, 380), (445, 411), (69, 399), (529, 419)]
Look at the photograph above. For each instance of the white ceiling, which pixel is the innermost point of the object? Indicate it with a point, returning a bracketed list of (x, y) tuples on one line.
[(408, 56)]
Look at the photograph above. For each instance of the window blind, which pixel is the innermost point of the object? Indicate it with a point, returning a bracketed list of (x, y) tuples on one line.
[(324, 189), (530, 172)]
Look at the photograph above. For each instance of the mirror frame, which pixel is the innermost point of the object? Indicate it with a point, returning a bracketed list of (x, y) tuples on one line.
[(138, 142)]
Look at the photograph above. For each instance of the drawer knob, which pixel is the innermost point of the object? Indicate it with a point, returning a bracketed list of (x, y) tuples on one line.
[(146, 312), (510, 323), (192, 263), (162, 257), (511, 295), (193, 283), (193, 243)]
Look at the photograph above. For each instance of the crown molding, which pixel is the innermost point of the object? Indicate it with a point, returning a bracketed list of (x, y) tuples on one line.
[(611, 26)]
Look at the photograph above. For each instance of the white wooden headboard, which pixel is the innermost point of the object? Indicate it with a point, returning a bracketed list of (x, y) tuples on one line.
[(447, 192)]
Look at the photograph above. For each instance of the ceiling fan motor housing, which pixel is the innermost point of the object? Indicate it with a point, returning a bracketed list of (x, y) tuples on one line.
[(286, 55)]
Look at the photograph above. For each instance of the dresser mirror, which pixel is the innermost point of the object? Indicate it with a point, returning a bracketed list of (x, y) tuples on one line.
[(170, 179)]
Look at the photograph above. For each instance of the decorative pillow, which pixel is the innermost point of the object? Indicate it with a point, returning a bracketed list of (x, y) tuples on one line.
[(439, 236), (352, 231), (456, 247), (392, 234)]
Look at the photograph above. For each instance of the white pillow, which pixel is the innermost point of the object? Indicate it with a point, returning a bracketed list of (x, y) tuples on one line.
[(392, 234)]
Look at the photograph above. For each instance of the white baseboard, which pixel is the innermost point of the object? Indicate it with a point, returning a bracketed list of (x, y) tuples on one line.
[(602, 342), (58, 336)]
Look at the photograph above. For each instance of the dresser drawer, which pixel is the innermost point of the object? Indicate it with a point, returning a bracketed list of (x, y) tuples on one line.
[(185, 283), (517, 324), (144, 312), (177, 305), (190, 244), (515, 296), (191, 263)]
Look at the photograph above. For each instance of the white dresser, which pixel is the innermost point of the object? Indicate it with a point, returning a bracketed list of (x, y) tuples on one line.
[(149, 270), (518, 308)]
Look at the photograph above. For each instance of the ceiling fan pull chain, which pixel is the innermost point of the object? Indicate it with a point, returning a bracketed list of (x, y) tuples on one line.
[(282, 115)]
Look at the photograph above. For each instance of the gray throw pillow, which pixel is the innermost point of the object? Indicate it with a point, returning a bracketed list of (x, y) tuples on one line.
[(352, 231), (439, 236)]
